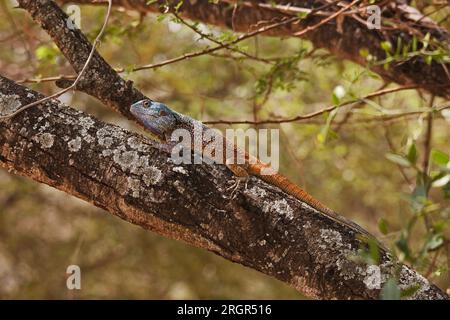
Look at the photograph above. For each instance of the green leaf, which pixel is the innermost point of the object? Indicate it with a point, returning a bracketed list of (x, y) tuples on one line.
[(446, 190), (426, 41), (390, 290), (178, 5), (302, 15), (386, 46), (161, 17), (414, 44), (439, 157), (364, 53), (335, 99), (423, 185), (412, 154), (383, 226), (434, 242), (326, 130), (47, 53), (374, 251), (398, 159), (402, 245)]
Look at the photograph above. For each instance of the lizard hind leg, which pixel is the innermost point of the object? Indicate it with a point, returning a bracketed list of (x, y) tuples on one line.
[(241, 176)]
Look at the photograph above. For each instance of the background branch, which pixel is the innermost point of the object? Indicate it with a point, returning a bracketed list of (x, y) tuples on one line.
[(433, 77)]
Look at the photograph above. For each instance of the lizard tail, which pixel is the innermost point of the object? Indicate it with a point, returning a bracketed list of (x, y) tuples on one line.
[(292, 189)]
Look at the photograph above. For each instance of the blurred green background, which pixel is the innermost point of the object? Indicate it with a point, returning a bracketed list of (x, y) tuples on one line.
[(343, 164)]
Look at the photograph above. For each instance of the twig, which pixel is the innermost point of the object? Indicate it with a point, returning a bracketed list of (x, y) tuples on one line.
[(432, 264), (337, 13), (73, 85), (426, 155), (392, 149), (206, 36), (428, 138), (349, 114), (287, 8), (316, 113)]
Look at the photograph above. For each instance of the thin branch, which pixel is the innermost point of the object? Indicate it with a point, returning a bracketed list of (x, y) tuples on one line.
[(335, 15), (291, 9), (387, 136), (349, 114), (383, 119), (400, 116), (210, 38), (428, 138), (316, 113), (432, 264), (426, 156)]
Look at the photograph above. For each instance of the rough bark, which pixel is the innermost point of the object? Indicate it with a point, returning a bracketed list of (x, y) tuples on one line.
[(434, 77), (134, 179)]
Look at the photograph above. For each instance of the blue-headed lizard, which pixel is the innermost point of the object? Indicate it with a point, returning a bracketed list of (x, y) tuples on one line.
[(161, 121)]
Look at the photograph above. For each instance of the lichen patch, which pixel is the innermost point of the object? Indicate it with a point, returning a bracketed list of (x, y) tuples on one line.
[(279, 207), (373, 277), (46, 139), (126, 160), (9, 103), (152, 176), (180, 170), (74, 145), (256, 192)]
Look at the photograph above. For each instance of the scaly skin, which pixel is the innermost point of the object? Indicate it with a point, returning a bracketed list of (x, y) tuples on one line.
[(161, 121)]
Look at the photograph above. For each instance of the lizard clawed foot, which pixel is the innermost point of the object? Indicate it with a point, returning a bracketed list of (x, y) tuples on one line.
[(235, 184)]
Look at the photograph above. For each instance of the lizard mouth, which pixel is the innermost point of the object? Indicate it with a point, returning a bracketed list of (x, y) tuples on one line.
[(155, 132)]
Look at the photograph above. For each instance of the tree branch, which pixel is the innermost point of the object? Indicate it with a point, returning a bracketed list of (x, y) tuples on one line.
[(133, 178), (345, 41)]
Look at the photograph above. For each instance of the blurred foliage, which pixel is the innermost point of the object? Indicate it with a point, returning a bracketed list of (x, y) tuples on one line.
[(371, 171)]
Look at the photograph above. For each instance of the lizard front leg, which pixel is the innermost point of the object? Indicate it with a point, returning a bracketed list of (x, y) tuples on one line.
[(241, 175)]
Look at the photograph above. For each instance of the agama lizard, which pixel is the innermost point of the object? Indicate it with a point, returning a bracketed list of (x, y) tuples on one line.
[(161, 121)]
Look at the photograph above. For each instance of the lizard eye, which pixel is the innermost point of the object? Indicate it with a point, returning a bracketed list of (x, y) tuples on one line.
[(146, 103)]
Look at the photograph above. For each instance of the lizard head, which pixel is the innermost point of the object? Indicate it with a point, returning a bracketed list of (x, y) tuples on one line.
[(155, 116)]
